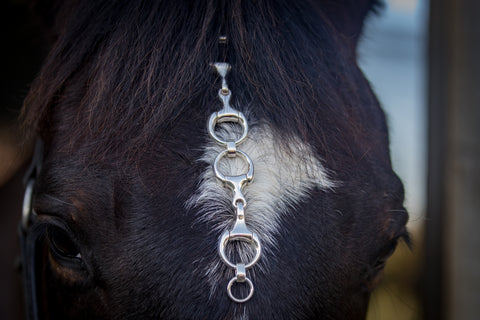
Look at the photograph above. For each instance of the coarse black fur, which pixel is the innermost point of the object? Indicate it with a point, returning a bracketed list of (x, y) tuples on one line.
[(122, 103)]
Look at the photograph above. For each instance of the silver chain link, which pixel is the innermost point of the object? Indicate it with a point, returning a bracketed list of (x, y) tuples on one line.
[(240, 231)]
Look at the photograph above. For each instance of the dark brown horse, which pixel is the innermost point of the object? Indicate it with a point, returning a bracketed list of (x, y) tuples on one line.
[(127, 211)]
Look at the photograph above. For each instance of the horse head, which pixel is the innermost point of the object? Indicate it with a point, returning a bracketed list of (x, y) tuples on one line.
[(128, 211)]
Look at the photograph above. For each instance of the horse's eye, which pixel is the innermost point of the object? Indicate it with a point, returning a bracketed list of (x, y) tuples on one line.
[(62, 245)]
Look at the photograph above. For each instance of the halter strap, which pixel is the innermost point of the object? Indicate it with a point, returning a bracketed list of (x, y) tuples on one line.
[(28, 242)]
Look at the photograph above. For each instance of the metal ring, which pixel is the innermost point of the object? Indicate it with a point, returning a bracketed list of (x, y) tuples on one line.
[(231, 116), (27, 204), (229, 290), (224, 178), (227, 237)]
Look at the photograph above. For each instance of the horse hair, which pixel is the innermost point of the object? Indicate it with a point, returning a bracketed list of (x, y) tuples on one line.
[(121, 78)]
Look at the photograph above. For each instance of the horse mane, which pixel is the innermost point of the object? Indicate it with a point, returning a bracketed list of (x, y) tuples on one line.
[(127, 70)]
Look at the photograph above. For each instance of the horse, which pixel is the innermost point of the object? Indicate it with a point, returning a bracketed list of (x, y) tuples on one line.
[(152, 116)]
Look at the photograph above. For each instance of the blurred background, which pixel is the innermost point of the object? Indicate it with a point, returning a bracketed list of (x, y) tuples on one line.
[(393, 56), (422, 61)]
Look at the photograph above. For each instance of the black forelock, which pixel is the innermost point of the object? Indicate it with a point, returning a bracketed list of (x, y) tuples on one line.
[(122, 72)]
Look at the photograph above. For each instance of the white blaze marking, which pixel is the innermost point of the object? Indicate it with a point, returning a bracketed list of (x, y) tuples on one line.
[(285, 173)]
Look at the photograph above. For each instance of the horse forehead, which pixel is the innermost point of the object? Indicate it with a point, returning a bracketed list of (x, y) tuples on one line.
[(285, 173)]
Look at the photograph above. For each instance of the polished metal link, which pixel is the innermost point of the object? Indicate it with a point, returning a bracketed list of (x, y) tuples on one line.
[(236, 183), (227, 113), (240, 272), (240, 277), (232, 149), (239, 232), (230, 294)]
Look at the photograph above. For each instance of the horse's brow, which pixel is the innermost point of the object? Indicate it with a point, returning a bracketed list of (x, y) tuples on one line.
[(47, 204), (58, 200)]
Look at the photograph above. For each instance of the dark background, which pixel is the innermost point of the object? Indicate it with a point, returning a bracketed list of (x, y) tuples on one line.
[(22, 50)]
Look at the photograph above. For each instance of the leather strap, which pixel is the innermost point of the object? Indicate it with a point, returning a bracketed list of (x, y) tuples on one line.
[(28, 240)]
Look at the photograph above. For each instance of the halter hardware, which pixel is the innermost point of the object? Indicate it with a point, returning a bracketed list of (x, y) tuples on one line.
[(239, 232), (227, 113), (236, 183)]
